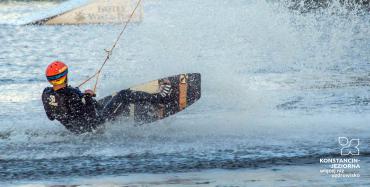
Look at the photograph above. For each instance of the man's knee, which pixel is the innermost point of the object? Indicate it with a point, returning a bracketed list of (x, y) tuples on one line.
[(124, 94)]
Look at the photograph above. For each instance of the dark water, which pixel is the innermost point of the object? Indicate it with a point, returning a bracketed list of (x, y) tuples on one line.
[(279, 87)]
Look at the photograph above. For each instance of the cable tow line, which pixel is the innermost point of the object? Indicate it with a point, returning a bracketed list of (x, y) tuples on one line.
[(110, 52)]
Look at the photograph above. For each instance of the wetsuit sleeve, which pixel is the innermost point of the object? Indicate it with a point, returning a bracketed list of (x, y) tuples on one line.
[(88, 100), (75, 101), (47, 108), (77, 91), (81, 104)]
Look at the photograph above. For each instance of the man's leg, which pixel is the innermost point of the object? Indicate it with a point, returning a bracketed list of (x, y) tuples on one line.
[(125, 97)]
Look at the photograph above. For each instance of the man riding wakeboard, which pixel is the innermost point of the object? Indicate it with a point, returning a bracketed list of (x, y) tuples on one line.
[(80, 112)]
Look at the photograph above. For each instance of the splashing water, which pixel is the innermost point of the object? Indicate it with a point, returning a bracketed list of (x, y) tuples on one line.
[(277, 83)]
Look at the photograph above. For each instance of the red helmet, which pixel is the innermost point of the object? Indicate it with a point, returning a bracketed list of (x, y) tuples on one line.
[(56, 73)]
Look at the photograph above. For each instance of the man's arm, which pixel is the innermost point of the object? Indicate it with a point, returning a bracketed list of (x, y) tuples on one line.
[(47, 108), (82, 103)]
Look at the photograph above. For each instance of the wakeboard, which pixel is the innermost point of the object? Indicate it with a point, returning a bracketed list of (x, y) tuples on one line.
[(186, 90)]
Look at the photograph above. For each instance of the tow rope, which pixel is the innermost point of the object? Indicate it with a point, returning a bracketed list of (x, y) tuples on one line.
[(109, 52)]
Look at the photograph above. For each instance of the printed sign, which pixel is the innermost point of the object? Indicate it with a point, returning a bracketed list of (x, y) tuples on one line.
[(100, 11)]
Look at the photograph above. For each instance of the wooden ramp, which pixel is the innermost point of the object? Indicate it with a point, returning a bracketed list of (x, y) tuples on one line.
[(96, 12)]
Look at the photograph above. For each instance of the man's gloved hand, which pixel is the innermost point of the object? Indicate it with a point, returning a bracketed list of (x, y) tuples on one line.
[(90, 93)]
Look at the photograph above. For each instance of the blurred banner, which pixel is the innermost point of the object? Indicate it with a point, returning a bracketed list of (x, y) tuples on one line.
[(97, 12)]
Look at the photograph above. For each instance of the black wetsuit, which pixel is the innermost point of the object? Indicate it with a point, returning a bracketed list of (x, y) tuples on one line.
[(81, 113), (75, 110)]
